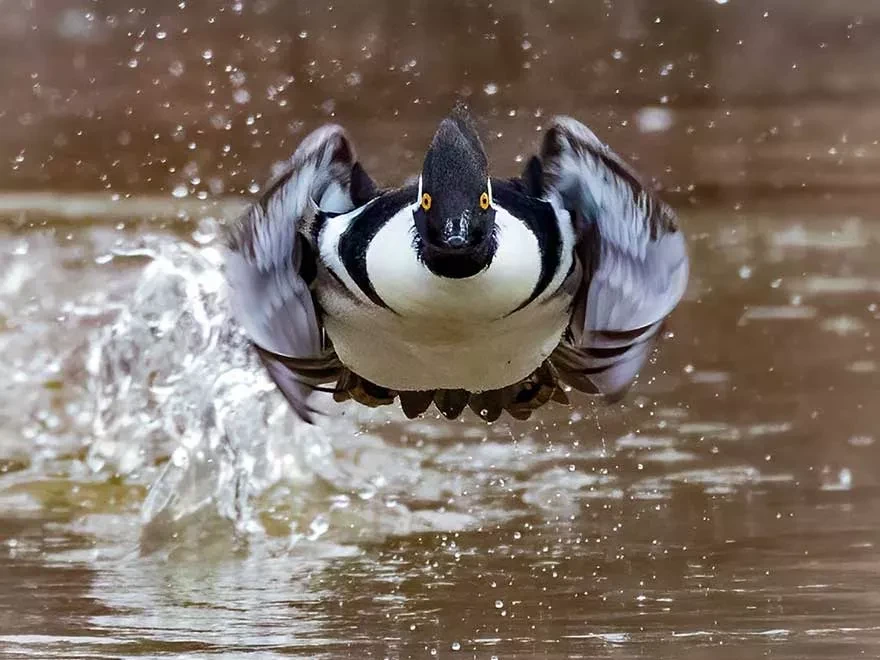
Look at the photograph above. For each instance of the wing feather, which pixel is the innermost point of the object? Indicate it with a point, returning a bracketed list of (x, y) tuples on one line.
[(269, 259), (633, 254)]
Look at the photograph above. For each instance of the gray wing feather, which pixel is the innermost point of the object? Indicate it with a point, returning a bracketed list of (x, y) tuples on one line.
[(267, 253), (634, 255)]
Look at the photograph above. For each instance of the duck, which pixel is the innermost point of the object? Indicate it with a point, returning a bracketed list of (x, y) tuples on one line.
[(457, 289)]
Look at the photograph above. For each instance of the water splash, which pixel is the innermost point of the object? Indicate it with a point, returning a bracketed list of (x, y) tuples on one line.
[(173, 380)]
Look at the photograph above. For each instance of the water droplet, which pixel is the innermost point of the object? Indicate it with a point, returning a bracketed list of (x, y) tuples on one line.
[(490, 89), (180, 458), (617, 54), (654, 120), (456, 646), (318, 527), (180, 191), (499, 604), (208, 55), (176, 68), (206, 231), (745, 272)]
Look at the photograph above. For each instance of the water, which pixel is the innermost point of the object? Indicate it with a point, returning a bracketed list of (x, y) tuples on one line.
[(157, 498)]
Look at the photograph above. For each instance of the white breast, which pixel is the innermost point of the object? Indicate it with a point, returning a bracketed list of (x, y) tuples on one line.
[(444, 333), (409, 288)]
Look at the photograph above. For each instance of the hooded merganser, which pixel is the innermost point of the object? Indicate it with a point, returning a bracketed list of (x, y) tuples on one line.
[(458, 289)]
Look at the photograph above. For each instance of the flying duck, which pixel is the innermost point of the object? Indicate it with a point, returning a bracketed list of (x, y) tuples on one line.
[(457, 289)]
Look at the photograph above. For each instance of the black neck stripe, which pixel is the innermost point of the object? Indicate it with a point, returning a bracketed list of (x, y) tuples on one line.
[(355, 240), (540, 218)]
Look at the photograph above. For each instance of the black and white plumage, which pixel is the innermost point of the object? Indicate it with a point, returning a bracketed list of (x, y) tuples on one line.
[(460, 290)]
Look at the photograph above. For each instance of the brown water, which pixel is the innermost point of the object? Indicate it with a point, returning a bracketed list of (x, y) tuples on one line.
[(158, 500)]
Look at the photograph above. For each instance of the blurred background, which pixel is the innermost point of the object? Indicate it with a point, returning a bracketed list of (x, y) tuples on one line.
[(716, 99), (157, 498)]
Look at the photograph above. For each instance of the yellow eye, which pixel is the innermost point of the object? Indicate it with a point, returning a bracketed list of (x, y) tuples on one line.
[(484, 201), (426, 201)]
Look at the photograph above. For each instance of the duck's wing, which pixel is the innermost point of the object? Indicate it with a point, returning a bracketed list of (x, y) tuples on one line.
[(270, 262), (632, 252)]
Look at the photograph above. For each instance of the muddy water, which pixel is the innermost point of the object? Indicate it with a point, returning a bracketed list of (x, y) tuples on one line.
[(158, 500)]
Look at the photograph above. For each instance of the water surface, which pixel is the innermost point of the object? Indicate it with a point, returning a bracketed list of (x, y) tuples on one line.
[(159, 498)]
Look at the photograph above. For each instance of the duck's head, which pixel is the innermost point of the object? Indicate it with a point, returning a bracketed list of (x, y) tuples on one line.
[(455, 219)]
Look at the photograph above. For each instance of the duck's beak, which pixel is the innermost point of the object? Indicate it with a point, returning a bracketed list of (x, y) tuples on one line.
[(457, 232)]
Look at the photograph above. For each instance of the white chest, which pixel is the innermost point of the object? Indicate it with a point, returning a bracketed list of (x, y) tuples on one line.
[(409, 288), (440, 332)]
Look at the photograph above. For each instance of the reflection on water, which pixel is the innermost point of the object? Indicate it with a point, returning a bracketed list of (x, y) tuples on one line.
[(158, 497)]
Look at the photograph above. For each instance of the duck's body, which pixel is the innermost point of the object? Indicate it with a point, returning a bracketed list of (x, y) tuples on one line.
[(485, 291), (398, 324)]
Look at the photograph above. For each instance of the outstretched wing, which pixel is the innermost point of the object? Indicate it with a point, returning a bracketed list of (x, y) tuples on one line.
[(270, 262), (633, 255)]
